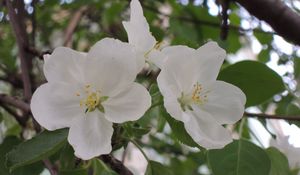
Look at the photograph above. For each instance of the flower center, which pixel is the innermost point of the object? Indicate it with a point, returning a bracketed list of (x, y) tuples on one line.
[(197, 97), (92, 99)]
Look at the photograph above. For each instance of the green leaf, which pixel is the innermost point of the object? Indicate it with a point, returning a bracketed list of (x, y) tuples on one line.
[(78, 171), (178, 130), (240, 157), (8, 144), (67, 157), (156, 168), (263, 38), (255, 79), (40, 147), (279, 162), (101, 169), (297, 67)]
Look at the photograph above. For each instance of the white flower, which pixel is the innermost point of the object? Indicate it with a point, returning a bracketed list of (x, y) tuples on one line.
[(139, 35), (292, 153), (88, 92), (194, 96)]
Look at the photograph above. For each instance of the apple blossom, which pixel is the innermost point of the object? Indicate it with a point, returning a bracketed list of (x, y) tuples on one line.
[(139, 35), (88, 92), (193, 95)]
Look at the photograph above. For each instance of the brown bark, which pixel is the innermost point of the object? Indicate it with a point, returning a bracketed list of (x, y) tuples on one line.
[(279, 16)]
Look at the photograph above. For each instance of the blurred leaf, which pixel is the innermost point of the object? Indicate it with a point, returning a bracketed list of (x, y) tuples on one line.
[(77, 171), (239, 158), (40, 147), (101, 169), (297, 67), (279, 162), (264, 55), (263, 38), (255, 79), (67, 157), (8, 144), (156, 168)]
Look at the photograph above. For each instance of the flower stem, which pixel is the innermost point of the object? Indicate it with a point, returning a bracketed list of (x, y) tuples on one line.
[(242, 123), (140, 148)]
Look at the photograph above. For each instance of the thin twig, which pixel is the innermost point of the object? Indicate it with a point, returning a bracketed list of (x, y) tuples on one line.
[(37, 53), (268, 116), (52, 169), (15, 102), (115, 164), (22, 41), (20, 119), (73, 24), (224, 24)]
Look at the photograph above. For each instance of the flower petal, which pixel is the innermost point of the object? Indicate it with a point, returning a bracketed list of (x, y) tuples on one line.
[(180, 68), (128, 105), (90, 135), (157, 57), (206, 131), (110, 66), (225, 102), (137, 28), (210, 59), (55, 105), (65, 65)]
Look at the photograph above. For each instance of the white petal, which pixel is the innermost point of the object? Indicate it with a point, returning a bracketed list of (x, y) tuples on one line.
[(180, 68), (170, 94), (90, 135), (55, 105), (225, 102), (210, 59), (111, 66), (128, 105), (65, 65), (157, 57), (137, 28), (206, 131)]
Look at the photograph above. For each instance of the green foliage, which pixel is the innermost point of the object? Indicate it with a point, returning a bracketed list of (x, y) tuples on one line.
[(38, 148), (240, 157), (8, 144), (279, 163), (255, 79), (156, 168), (101, 169)]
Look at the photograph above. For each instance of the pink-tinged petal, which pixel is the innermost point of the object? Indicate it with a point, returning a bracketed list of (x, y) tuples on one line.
[(129, 105), (90, 135), (64, 65), (55, 105), (225, 102)]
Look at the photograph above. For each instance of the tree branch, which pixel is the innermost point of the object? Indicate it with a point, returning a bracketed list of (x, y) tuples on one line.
[(268, 116), (15, 102), (20, 119), (116, 165), (72, 25), (279, 16), (22, 41)]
